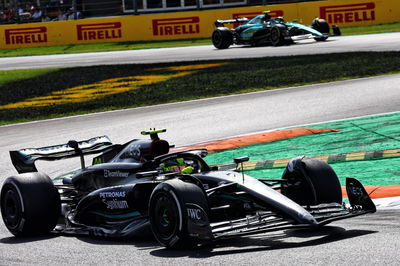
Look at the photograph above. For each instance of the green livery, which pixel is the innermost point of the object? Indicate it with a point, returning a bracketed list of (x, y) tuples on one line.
[(264, 30)]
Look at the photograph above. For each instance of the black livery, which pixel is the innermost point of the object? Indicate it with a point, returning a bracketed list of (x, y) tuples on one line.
[(185, 201)]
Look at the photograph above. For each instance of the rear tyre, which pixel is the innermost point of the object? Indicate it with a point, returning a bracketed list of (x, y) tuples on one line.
[(222, 38), (168, 212), (311, 182), (30, 204)]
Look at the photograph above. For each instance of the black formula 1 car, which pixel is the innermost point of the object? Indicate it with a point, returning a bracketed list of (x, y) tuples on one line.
[(264, 30), (185, 202)]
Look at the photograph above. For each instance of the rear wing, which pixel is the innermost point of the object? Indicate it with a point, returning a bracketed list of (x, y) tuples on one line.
[(24, 159), (221, 22)]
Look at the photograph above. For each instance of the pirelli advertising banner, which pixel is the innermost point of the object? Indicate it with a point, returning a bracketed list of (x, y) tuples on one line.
[(186, 25)]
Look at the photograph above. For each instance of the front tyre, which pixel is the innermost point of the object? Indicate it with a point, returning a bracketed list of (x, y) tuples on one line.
[(321, 39), (222, 38), (30, 204), (168, 212), (311, 181), (320, 25), (277, 37)]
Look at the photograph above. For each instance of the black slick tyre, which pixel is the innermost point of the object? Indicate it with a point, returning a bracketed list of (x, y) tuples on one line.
[(30, 204), (311, 181), (168, 212), (320, 39), (277, 38), (320, 25), (222, 38)]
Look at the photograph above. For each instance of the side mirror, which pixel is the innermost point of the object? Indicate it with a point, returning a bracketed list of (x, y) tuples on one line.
[(241, 159)]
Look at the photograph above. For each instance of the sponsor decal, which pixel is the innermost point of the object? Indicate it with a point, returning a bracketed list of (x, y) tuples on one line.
[(250, 15), (356, 191), (134, 152), (116, 204), (110, 199), (99, 31), (26, 35), (348, 13), (194, 213), (176, 26), (112, 194), (97, 161), (247, 206), (108, 173)]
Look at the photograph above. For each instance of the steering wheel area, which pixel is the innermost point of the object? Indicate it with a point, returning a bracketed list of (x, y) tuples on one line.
[(182, 162)]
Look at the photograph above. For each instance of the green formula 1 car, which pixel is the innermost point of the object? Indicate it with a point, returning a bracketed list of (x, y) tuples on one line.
[(264, 30)]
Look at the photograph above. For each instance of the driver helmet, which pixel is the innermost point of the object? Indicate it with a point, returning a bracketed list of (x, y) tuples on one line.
[(267, 16), (176, 165)]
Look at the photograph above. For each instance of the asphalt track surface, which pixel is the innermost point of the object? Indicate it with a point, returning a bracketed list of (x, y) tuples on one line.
[(369, 240), (372, 42)]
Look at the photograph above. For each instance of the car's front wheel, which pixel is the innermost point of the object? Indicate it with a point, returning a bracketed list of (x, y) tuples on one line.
[(320, 39), (30, 204), (277, 37), (168, 212), (320, 25), (311, 181)]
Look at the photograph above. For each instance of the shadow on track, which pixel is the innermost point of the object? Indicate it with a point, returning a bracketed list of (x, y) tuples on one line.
[(19, 240), (281, 240), (296, 43), (294, 238)]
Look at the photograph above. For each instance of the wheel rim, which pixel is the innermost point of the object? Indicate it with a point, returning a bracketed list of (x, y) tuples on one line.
[(165, 217), (11, 209)]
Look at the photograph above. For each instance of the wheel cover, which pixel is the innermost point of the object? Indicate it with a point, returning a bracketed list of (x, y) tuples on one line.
[(166, 217), (11, 209)]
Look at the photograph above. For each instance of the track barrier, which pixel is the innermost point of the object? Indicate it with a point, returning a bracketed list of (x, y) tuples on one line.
[(191, 24)]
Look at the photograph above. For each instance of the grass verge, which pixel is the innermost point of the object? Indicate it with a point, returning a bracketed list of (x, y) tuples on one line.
[(383, 28), (103, 47), (100, 47), (65, 92), (16, 75), (372, 133)]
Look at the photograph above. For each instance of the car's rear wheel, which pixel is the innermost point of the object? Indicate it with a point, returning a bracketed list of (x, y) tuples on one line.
[(311, 181), (168, 212), (30, 204), (222, 38)]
